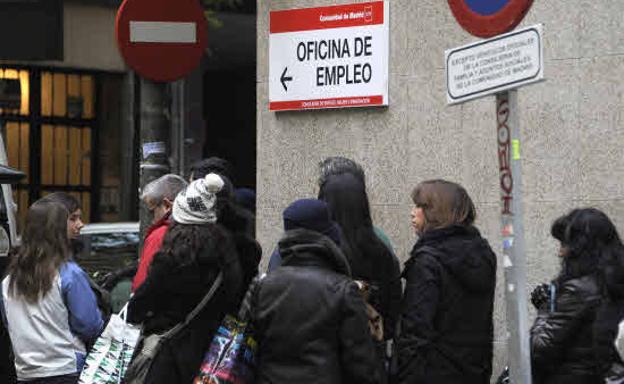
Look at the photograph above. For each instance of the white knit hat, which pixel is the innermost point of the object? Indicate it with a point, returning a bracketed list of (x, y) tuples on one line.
[(196, 204)]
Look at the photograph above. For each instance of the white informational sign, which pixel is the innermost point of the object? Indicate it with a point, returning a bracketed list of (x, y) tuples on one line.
[(153, 148), (329, 57), (490, 66)]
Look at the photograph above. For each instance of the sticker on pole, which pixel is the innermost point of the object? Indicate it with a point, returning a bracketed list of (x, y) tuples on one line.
[(329, 57), (490, 66), (487, 18)]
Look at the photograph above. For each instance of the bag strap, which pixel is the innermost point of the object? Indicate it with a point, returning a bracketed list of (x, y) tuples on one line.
[(170, 333), (245, 307), (124, 312)]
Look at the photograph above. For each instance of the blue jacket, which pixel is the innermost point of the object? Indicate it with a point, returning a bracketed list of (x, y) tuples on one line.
[(49, 337)]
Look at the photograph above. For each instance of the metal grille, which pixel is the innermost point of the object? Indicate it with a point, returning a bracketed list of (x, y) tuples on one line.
[(53, 136)]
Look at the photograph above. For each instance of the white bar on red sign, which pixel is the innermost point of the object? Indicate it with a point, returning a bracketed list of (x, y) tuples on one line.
[(163, 32)]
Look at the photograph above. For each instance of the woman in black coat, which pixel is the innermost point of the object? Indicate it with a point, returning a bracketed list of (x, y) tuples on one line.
[(195, 251), (446, 326), (578, 313)]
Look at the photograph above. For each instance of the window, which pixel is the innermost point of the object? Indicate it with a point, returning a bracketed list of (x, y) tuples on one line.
[(51, 137)]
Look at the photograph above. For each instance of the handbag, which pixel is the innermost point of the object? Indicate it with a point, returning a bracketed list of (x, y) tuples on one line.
[(375, 320), (231, 356), (110, 356), (149, 346)]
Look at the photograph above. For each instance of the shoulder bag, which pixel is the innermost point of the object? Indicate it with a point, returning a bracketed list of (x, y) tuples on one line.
[(148, 347)]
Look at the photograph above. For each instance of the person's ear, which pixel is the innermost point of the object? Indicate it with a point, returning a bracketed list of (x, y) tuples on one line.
[(167, 203)]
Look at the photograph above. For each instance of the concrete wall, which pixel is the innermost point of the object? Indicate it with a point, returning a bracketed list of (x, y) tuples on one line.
[(572, 130), (89, 38)]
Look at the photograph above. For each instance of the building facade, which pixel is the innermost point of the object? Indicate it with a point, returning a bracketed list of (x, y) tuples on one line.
[(75, 127), (572, 131), (69, 132)]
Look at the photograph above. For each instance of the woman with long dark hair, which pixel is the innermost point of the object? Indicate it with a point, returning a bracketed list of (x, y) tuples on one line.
[(194, 252), (369, 258), (50, 311), (572, 337), (372, 262), (446, 326), (74, 222)]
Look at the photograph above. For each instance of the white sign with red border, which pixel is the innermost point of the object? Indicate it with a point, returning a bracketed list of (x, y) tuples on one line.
[(329, 57)]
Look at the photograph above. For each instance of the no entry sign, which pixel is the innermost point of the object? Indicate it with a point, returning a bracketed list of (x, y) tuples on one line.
[(487, 18), (329, 57), (162, 40)]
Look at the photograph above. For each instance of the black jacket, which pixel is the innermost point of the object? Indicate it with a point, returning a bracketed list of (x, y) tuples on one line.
[(562, 338), (241, 225), (310, 320), (7, 366), (446, 322), (608, 318), (172, 290)]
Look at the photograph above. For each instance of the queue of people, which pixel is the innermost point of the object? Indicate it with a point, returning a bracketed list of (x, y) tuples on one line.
[(335, 305)]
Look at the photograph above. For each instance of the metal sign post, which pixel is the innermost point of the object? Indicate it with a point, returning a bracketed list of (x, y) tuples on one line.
[(499, 66), (155, 136), (514, 257)]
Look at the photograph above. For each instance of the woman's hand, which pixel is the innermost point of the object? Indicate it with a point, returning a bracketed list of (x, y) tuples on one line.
[(540, 296)]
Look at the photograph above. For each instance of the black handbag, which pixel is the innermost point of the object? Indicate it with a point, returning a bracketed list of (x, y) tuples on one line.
[(148, 348)]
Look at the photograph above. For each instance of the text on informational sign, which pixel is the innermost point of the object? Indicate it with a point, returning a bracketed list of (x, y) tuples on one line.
[(354, 73), (493, 65)]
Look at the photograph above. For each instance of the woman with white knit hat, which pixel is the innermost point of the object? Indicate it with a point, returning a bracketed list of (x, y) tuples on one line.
[(195, 251)]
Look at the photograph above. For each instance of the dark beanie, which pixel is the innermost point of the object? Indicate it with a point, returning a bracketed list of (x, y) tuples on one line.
[(313, 215), (246, 197)]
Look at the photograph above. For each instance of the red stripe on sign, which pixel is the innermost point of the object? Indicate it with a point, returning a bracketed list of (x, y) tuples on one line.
[(342, 102), (340, 16)]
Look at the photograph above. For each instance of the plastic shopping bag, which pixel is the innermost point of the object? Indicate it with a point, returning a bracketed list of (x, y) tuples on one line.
[(112, 352), (230, 358)]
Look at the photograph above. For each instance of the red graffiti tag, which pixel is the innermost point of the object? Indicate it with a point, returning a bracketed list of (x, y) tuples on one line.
[(504, 154)]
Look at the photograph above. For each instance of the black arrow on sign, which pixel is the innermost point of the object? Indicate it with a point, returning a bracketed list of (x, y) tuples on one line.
[(285, 78)]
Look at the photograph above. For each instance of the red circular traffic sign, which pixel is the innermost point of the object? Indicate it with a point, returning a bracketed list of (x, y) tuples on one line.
[(487, 18), (162, 40)]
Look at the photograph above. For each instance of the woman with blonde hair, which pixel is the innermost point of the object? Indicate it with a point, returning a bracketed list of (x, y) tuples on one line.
[(446, 323), (47, 305)]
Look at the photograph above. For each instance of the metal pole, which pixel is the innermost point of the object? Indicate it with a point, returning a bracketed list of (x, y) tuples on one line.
[(155, 137), (178, 112), (514, 256)]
